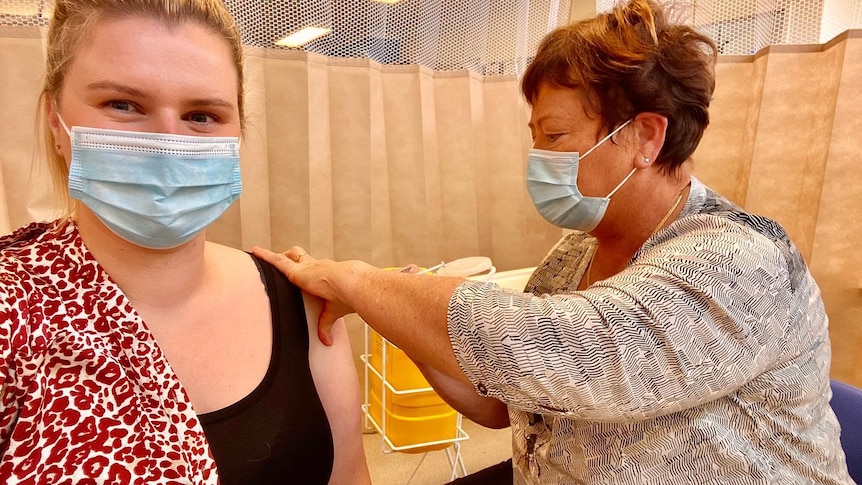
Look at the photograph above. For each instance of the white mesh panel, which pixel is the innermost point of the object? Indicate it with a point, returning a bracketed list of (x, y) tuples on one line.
[(25, 12), (485, 36), (746, 26), (838, 16), (493, 36)]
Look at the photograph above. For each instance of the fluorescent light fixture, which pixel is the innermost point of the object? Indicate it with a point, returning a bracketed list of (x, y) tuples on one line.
[(303, 36)]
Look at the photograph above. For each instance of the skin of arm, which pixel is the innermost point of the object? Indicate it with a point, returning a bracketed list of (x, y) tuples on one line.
[(335, 378), (486, 411), (458, 392)]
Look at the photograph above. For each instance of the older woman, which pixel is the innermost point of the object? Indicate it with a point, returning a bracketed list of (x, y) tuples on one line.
[(673, 338), (131, 349)]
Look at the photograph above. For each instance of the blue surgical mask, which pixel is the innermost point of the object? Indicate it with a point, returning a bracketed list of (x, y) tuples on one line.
[(552, 182), (154, 190)]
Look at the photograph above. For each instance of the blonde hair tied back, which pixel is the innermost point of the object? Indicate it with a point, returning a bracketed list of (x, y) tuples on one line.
[(73, 19)]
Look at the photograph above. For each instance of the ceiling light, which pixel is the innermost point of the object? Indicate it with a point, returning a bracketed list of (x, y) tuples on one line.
[(302, 37)]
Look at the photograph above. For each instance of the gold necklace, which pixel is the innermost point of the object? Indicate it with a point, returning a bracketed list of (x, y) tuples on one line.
[(672, 209), (654, 231)]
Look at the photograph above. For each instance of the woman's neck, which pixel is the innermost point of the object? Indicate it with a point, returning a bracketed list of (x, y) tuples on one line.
[(164, 278), (638, 219)]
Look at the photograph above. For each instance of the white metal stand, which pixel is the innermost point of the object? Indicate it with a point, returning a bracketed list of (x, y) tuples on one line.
[(464, 267), (453, 452)]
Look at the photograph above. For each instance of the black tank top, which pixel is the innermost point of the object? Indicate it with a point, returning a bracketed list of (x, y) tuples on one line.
[(279, 433)]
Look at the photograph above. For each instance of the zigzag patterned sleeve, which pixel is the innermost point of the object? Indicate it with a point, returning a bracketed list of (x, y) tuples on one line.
[(697, 314)]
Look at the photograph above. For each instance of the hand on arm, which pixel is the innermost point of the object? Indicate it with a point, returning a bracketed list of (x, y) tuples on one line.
[(313, 276), (409, 310)]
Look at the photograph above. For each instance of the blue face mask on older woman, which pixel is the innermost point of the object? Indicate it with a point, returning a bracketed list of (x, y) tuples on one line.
[(154, 190), (552, 183)]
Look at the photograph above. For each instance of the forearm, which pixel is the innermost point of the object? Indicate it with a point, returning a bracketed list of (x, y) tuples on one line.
[(486, 411), (410, 310)]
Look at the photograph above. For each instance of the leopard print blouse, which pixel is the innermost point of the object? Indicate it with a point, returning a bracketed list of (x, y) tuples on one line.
[(86, 394)]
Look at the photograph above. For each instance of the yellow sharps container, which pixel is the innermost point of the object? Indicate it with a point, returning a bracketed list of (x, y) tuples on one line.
[(402, 403)]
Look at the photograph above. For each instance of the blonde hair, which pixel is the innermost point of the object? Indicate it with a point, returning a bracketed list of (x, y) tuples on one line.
[(73, 19), (633, 60)]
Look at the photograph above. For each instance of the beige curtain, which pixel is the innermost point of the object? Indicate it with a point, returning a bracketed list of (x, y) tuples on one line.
[(392, 164), (399, 164)]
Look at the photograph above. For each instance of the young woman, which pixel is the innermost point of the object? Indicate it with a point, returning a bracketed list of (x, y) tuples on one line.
[(131, 349)]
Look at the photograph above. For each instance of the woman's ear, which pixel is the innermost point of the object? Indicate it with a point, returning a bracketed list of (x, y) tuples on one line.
[(53, 123), (650, 130)]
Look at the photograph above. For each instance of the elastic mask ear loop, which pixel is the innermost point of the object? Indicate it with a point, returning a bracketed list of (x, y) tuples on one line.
[(621, 183), (606, 138), (63, 123)]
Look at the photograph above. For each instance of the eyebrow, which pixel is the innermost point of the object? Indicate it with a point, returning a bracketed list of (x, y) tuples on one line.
[(211, 102), (110, 85), (544, 117), (197, 102)]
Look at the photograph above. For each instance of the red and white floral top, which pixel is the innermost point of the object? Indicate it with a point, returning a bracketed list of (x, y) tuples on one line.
[(86, 394)]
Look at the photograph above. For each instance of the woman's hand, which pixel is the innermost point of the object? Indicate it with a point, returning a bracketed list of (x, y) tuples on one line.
[(409, 310), (319, 277)]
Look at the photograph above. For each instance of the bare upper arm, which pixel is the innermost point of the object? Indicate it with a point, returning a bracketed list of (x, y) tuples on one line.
[(335, 378)]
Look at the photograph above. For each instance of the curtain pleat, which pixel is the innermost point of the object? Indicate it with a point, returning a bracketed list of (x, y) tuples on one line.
[(25, 184), (836, 255), (400, 164), (390, 164)]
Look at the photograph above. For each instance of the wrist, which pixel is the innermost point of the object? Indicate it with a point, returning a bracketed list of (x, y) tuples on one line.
[(351, 279)]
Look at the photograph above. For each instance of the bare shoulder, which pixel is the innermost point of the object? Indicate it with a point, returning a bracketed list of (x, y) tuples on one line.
[(227, 256), (234, 267)]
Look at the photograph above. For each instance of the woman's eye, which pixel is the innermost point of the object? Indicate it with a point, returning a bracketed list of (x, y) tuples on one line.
[(201, 118), (552, 137), (121, 105)]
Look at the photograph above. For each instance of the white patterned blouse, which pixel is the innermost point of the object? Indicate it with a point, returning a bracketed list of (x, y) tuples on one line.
[(705, 361)]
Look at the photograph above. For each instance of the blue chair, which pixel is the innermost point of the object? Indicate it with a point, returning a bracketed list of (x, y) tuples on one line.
[(847, 404)]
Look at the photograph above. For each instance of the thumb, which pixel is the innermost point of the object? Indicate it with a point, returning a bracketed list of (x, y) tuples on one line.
[(324, 326)]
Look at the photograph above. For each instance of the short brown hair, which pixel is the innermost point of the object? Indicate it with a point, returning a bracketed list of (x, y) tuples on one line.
[(632, 60)]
